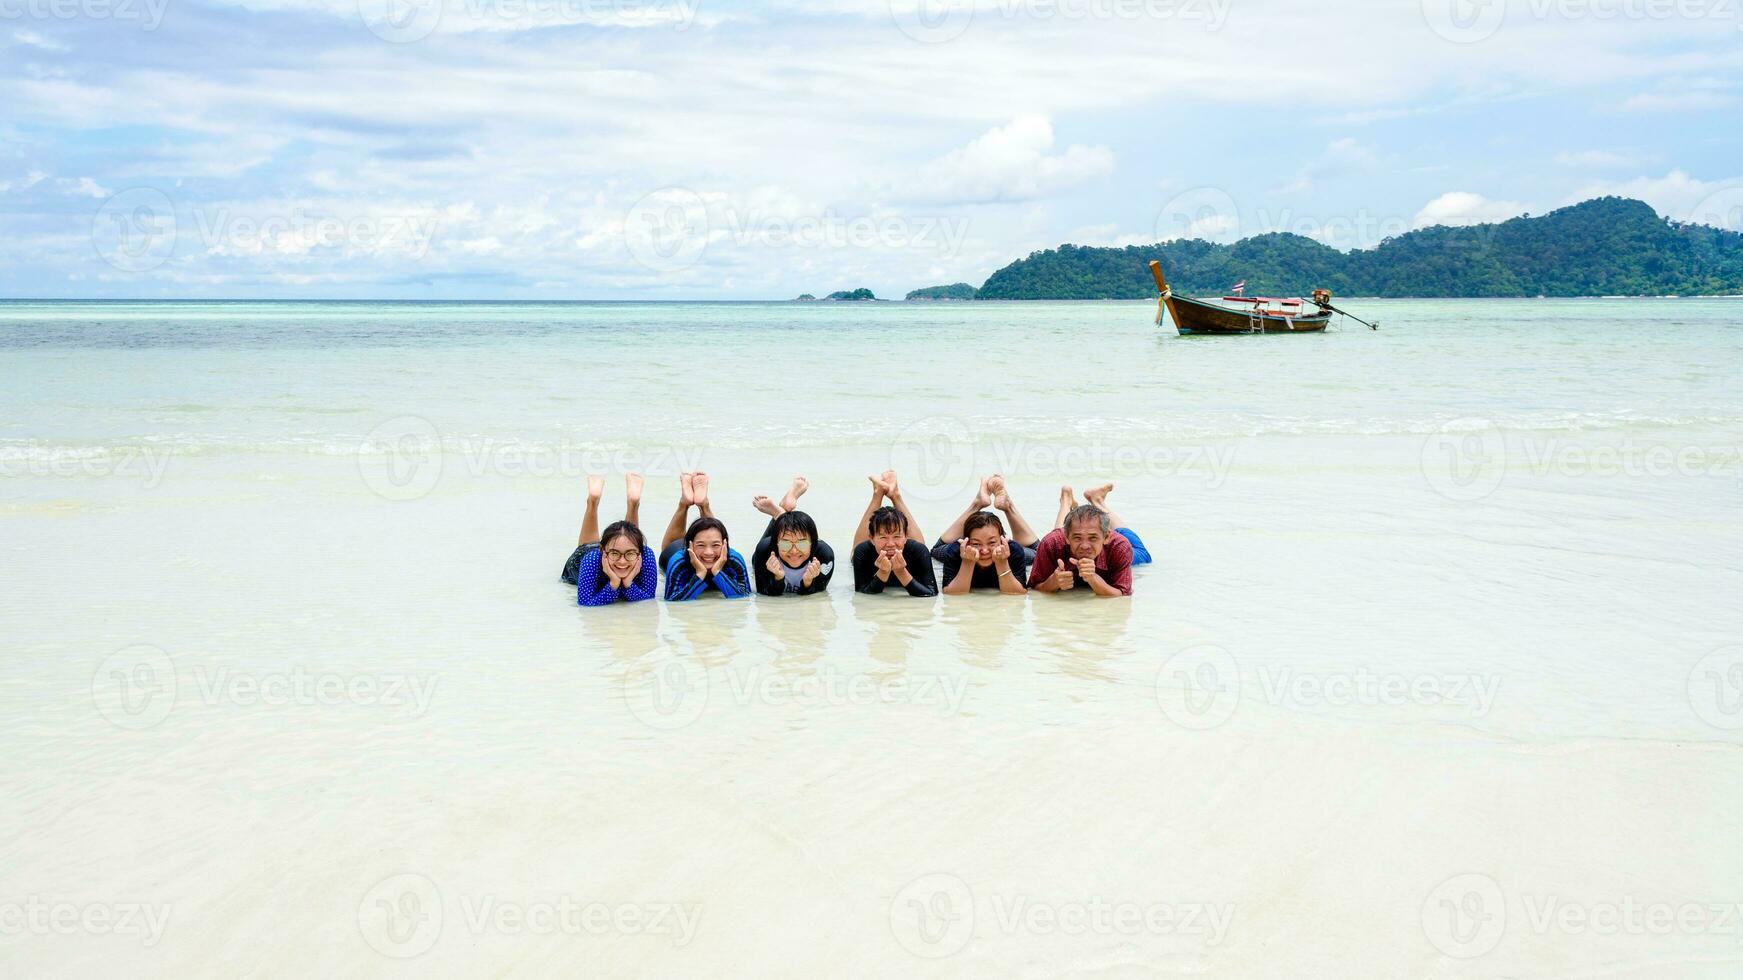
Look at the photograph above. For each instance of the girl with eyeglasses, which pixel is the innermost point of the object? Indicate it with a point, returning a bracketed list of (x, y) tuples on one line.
[(618, 565), (790, 560)]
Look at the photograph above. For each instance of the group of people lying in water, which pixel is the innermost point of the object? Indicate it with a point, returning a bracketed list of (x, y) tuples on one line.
[(1090, 548)]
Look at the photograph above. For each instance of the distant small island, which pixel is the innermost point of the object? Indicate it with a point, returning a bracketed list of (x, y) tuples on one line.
[(955, 291), (1608, 246), (861, 294)]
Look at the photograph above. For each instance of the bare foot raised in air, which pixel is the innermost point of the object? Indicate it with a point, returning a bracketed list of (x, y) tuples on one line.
[(632, 487), (889, 480), (688, 482), (1098, 495), (700, 483), (1066, 498), (983, 497), (762, 503), (595, 487), (880, 485), (794, 492)]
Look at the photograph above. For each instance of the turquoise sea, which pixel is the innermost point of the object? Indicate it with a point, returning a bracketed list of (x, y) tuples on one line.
[(1443, 613)]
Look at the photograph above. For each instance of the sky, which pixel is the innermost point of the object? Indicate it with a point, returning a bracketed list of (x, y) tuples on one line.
[(722, 149)]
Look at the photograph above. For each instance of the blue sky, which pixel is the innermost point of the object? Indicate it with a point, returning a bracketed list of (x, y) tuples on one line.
[(672, 149)]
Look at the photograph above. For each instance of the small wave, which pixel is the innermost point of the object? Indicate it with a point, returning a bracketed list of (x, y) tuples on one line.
[(849, 433)]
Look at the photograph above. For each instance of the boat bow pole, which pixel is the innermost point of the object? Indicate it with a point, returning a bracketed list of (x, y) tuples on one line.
[(1370, 326), (1161, 287)]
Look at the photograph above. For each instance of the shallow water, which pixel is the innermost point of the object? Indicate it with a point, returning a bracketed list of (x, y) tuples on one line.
[(1442, 637)]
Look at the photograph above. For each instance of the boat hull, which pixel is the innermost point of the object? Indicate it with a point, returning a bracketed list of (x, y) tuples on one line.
[(1197, 318)]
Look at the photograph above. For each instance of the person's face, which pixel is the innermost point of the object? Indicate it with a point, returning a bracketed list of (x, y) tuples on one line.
[(984, 540), (622, 558), (890, 541), (708, 546), (794, 549), (1085, 539)]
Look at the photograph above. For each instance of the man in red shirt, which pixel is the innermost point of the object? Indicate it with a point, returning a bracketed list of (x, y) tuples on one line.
[(1085, 550)]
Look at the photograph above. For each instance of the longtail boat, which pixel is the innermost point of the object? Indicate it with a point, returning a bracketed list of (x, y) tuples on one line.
[(1255, 314)]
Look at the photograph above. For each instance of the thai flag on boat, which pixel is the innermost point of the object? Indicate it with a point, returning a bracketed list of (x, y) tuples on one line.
[(1238, 287)]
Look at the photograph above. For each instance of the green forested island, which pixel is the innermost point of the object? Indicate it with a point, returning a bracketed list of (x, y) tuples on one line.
[(955, 291), (1609, 246), (841, 295)]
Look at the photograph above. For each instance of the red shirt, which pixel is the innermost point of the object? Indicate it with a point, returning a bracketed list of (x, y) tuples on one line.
[(1114, 564)]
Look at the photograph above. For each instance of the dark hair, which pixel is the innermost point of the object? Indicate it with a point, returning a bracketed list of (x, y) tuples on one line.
[(1088, 512), (980, 519), (705, 524), (887, 519), (624, 529), (794, 522)]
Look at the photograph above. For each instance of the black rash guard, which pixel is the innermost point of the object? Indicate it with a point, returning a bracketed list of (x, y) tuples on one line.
[(770, 584), (914, 554), (950, 556)]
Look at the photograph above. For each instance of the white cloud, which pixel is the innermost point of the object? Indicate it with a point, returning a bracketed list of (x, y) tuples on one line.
[(1596, 159), (32, 39), (1009, 163), (84, 187), (1690, 87), (1690, 101), (785, 109), (1677, 196), (1108, 236), (1465, 208), (1340, 158)]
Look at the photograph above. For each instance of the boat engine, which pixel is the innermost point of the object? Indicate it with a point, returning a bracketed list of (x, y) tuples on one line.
[(1322, 298)]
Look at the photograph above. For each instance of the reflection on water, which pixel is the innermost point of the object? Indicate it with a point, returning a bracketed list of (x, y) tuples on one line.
[(797, 631), (1084, 637), (982, 624), (682, 665), (896, 624), (711, 629)]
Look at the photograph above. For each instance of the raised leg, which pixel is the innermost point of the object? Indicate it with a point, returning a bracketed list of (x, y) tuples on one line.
[(1021, 532), (632, 498), (766, 506), (794, 492), (1098, 497), (897, 502), (982, 500), (701, 488), (681, 517), (1066, 501), (879, 490), (590, 520)]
